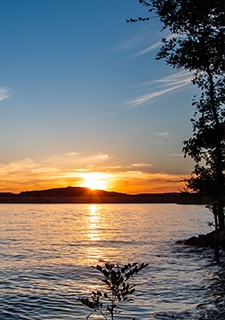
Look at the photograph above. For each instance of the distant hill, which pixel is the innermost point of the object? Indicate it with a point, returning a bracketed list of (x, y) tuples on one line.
[(85, 195)]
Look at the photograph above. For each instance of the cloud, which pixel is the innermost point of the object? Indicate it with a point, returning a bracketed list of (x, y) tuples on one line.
[(63, 170), (154, 46), (165, 35), (130, 43), (183, 77), (144, 37), (5, 93), (147, 182), (73, 159), (58, 170), (70, 154), (156, 88), (161, 134), (141, 165), (167, 84), (176, 155)]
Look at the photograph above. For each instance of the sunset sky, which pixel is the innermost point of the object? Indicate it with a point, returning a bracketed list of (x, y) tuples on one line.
[(83, 102)]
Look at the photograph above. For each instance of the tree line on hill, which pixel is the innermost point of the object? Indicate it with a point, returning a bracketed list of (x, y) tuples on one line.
[(85, 195)]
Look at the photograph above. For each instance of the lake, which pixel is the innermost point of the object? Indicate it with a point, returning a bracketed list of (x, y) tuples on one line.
[(47, 251)]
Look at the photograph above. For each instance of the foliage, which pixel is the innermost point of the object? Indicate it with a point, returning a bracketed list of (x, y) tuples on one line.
[(115, 279), (196, 44), (207, 146)]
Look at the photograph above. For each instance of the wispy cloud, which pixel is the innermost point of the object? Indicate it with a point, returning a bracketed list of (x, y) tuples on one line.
[(146, 40), (58, 170), (140, 181), (141, 165), (64, 170), (130, 43), (161, 133), (178, 155), (71, 154), (167, 84), (156, 88), (153, 46), (156, 45), (161, 136), (183, 77), (76, 160), (5, 93)]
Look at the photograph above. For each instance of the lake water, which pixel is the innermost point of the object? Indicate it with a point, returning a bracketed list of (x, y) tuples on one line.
[(46, 254)]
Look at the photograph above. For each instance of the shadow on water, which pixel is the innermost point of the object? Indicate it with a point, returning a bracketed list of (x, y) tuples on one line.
[(213, 306)]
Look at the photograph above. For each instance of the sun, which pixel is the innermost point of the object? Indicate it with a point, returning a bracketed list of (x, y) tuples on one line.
[(95, 180)]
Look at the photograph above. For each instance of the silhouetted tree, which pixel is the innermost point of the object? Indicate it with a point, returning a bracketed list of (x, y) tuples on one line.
[(196, 44)]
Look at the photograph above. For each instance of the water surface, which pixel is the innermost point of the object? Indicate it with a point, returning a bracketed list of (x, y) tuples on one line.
[(47, 251)]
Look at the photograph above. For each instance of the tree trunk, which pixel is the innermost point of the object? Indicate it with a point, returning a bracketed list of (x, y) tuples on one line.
[(216, 252), (221, 218), (218, 154)]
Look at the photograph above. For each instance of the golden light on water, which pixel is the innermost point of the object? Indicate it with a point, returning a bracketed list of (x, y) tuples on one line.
[(93, 231), (99, 232), (94, 252)]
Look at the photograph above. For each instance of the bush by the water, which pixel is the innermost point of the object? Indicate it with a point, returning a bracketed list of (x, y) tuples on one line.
[(117, 288)]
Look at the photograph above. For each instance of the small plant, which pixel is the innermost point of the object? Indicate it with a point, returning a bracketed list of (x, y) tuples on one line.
[(115, 278)]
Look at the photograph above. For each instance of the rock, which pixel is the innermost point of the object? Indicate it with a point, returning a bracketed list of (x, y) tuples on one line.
[(205, 240)]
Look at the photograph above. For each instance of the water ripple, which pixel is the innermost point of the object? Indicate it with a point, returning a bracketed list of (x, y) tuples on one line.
[(47, 252)]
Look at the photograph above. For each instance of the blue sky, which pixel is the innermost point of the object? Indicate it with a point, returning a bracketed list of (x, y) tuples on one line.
[(81, 92)]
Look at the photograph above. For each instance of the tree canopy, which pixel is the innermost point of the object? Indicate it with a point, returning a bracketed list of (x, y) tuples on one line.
[(196, 44)]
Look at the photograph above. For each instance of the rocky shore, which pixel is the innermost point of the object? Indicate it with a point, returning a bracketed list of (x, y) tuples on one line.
[(205, 240)]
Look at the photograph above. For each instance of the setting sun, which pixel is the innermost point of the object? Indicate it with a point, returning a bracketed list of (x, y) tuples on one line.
[(95, 181)]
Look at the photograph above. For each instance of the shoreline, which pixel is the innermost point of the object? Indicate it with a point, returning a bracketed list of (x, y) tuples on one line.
[(205, 240)]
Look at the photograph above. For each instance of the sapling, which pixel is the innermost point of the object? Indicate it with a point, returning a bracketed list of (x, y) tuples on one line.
[(118, 289)]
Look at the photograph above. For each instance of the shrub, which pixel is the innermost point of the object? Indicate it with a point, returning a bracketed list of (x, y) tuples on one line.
[(118, 289)]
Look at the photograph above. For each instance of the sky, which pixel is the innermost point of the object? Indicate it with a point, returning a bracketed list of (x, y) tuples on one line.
[(84, 102)]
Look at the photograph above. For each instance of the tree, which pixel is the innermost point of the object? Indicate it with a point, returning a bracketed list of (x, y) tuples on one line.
[(197, 45), (207, 148)]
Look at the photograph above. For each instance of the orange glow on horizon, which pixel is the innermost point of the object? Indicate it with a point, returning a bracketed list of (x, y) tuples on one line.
[(95, 180), (28, 175), (129, 185), (124, 183)]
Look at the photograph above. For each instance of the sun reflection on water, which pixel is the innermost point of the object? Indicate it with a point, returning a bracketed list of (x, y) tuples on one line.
[(94, 220), (94, 226)]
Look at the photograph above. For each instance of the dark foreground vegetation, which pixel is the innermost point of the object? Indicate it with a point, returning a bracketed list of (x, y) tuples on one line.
[(85, 195), (117, 288)]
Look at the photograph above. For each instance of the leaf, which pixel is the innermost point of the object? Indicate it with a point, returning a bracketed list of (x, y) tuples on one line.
[(106, 273), (98, 268), (87, 302), (132, 291)]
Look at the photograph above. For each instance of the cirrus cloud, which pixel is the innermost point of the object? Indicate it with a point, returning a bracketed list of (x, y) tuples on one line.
[(5, 93), (165, 85)]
